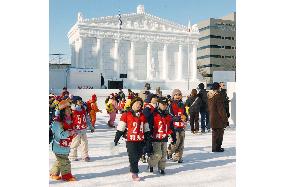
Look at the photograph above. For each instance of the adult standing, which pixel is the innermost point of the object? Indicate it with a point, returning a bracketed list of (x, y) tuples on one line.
[(102, 80), (121, 94), (225, 97), (193, 102), (217, 116), (64, 92), (204, 108)]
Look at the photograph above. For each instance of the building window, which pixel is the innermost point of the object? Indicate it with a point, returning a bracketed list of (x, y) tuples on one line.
[(227, 47), (209, 56), (209, 46)]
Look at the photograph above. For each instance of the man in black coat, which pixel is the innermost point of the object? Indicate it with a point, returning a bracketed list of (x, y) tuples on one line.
[(204, 108), (102, 80)]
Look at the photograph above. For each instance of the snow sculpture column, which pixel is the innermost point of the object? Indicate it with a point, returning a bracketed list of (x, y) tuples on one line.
[(193, 64), (149, 57), (165, 63), (131, 74), (115, 56), (98, 53), (179, 65)]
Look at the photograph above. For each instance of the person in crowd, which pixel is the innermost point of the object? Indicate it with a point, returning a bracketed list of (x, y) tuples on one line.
[(80, 125), (92, 109), (149, 106), (64, 92), (63, 132), (217, 116), (121, 105), (160, 126), (179, 117), (102, 81), (193, 103), (204, 108), (223, 92), (121, 94), (133, 125), (111, 107)]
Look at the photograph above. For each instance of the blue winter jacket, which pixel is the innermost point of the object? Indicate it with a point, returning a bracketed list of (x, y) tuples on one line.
[(59, 133)]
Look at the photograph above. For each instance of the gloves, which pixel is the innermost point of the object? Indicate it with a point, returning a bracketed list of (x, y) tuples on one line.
[(115, 143), (183, 118), (174, 139), (118, 134)]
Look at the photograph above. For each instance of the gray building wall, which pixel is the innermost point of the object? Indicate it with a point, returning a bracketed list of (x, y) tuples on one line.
[(217, 46), (58, 76)]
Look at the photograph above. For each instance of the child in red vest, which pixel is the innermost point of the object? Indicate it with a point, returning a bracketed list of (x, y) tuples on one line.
[(62, 129), (136, 129), (80, 125), (149, 106), (160, 127), (179, 116)]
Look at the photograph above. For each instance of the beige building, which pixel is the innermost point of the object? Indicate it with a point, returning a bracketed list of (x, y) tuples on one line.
[(217, 46)]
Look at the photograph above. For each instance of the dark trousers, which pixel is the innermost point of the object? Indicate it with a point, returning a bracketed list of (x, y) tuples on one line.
[(217, 138), (194, 121), (204, 120), (134, 150)]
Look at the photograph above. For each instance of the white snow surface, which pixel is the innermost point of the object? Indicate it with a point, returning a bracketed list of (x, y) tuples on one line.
[(109, 165)]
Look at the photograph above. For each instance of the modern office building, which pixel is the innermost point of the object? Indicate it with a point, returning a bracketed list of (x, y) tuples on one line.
[(217, 46)]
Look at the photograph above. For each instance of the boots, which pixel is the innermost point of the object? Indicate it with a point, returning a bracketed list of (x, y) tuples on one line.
[(143, 159), (151, 169), (135, 177), (169, 156), (55, 177), (68, 177), (162, 172)]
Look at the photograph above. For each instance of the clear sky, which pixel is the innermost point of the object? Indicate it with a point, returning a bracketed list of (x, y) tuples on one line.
[(63, 14)]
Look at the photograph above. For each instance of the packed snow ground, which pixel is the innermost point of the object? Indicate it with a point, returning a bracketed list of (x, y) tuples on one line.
[(109, 165)]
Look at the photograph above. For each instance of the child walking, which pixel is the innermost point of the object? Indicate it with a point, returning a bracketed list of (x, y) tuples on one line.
[(179, 117), (160, 127), (93, 109), (134, 126), (80, 125), (111, 107), (63, 132)]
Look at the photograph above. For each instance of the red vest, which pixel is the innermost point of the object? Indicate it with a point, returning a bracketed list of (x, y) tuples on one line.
[(79, 119), (177, 111), (66, 142), (161, 126), (135, 126)]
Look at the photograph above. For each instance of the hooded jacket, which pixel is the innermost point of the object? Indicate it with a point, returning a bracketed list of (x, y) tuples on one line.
[(216, 109)]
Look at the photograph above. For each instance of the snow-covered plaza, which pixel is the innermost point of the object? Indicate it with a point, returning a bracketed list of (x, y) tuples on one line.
[(109, 165)]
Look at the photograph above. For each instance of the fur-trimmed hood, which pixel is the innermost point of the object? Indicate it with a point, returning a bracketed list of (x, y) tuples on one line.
[(211, 94)]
